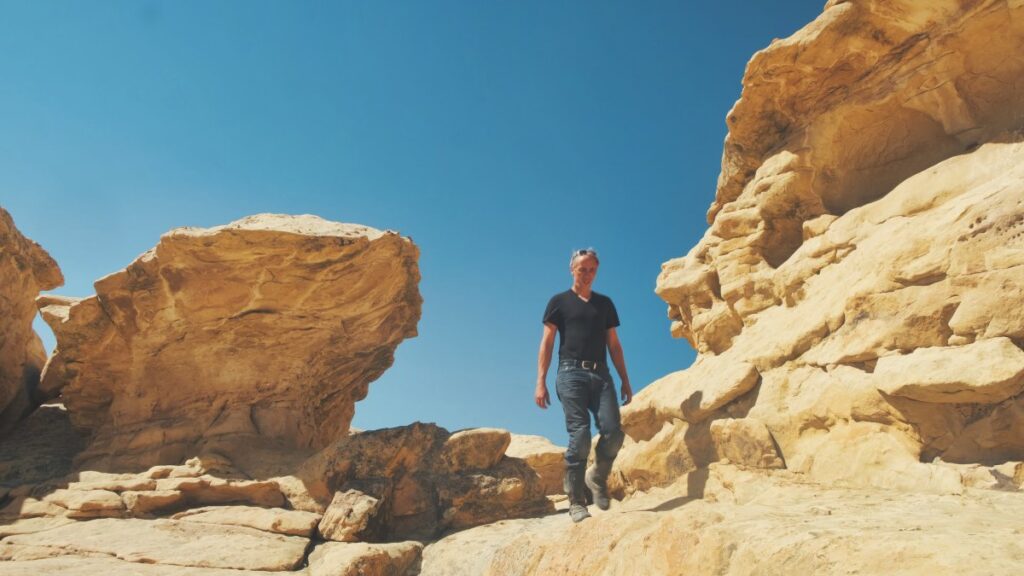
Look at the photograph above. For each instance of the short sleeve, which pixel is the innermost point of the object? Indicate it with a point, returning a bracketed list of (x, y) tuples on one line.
[(612, 321), (552, 314)]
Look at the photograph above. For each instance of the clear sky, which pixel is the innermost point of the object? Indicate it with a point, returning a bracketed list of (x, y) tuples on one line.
[(498, 135)]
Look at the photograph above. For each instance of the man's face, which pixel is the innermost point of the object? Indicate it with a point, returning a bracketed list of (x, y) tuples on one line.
[(584, 269)]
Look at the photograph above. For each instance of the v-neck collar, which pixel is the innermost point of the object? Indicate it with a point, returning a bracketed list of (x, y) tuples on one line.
[(577, 294)]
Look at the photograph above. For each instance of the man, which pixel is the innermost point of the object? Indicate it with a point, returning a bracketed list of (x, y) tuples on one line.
[(585, 322)]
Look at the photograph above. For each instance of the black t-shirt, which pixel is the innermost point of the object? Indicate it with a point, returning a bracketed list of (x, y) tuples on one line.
[(582, 326)]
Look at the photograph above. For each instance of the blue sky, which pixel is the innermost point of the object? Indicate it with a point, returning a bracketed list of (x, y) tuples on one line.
[(498, 135)]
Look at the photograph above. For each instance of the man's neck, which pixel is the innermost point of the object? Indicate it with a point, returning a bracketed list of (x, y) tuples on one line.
[(582, 292)]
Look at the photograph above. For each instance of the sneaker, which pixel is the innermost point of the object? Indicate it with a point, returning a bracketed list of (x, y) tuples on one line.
[(598, 489), (578, 513)]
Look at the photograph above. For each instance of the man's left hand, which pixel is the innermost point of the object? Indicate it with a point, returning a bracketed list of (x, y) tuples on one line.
[(627, 393)]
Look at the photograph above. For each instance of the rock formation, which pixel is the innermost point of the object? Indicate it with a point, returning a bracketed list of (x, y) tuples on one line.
[(25, 270), (415, 482), (856, 300), (209, 388), (368, 495), (856, 405), (270, 327)]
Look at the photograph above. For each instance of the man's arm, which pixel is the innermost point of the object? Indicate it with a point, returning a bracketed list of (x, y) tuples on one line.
[(615, 349), (547, 343)]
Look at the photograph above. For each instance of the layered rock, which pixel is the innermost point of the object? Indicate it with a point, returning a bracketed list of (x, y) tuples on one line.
[(25, 270), (268, 329), (352, 508), (857, 293), (246, 347), (415, 482)]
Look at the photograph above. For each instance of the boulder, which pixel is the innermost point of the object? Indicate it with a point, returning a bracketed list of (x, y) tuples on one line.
[(268, 328), (476, 448), (421, 489), (25, 270), (349, 516), (541, 455), (362, 559)]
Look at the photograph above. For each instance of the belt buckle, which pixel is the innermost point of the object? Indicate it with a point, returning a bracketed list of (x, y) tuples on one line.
[(593, 365)]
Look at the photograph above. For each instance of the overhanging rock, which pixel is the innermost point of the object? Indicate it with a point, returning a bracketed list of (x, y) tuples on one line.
[(269, 329), (25, 269)]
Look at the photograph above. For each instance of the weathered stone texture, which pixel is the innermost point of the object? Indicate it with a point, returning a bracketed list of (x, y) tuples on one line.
[(348, 516), (733, 522), (420, 488), (25, 270), (271, 327), (171, 542), (544, 457), (362, 559), (865, 257)]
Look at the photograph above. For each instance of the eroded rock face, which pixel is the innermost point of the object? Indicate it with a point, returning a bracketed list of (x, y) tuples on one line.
[(858, 290), (268, 328), (25, 270)]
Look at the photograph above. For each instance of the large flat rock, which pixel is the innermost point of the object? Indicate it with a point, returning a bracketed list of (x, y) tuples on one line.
[(985, 372), (171, 542), (691, 395), (363, 559), (276, 520), (78, 566)]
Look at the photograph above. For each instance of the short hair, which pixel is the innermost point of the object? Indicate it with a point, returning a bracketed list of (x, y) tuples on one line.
[(581, 253)]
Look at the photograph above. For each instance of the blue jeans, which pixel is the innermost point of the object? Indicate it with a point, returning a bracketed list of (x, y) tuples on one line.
[(583, 392)]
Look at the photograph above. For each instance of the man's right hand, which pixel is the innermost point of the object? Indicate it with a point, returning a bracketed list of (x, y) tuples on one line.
[(541, 396)]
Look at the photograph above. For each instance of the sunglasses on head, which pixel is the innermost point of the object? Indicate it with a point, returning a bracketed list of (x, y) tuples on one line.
[(582, 252)]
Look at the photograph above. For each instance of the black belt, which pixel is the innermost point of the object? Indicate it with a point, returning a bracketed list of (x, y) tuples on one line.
[(584, 364)]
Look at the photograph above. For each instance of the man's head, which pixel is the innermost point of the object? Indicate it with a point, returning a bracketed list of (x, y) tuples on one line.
[(583, 266)]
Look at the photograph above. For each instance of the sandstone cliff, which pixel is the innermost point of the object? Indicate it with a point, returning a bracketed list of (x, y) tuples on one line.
[(25, 270), (856, 300)]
